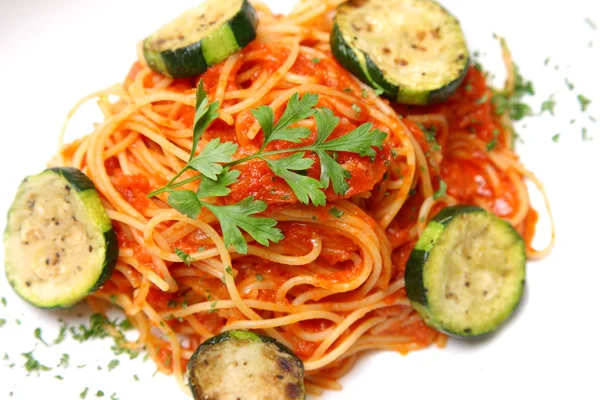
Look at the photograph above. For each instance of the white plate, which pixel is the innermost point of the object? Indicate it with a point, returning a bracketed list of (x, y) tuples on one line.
[(53, 53)]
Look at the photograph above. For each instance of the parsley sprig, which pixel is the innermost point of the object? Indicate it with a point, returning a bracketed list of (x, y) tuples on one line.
[(215, 161)]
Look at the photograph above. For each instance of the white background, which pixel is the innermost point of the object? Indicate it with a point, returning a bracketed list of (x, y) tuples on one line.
[(53, 53)]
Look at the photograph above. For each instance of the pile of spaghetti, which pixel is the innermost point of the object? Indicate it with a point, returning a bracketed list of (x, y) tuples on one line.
[(333, 287)]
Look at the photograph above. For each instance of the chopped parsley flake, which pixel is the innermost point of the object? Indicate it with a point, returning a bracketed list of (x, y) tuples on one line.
[(2, 322), (119, 349), (38, 335), (584, 135), (228, 270), (483, 99), (3, 301), (494, 142), (113, 364), (547, 61), (548, 105), (316, 60), (95, 330), (569, 84), (136, 378), (185, 257), (556, 137), (83, 394), (212, 307), (61, 334), (356, 109), (59, 377), (31, 364), (99, 393), (114, 397), (584, 102), (364, 93), (125, 325), (172, 303), (336, 212), (259, 277), (64, 361)]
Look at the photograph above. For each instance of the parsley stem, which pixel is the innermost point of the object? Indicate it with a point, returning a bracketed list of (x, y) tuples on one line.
[(271, 153), (170, 185), (174, 185)]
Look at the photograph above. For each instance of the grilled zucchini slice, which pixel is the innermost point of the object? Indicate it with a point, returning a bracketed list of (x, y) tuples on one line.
[(466, 273), (412, 50), (59, 242), (245, 365), (201, 37)]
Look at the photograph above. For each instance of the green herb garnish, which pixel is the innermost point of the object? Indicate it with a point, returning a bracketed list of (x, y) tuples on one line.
[(95, 330), (512, 104), (494, 142), (38, 335), (569, 84), (215, 160), (584, 102), (556, 137), (259, 277), (584, 135), (64, 361), (83, 394), (113, 364), (31, 364), (548, 105), (185, 257), (336, 212), (61, 334)]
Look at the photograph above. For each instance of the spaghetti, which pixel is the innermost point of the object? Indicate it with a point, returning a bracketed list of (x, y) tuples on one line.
[(334, 286)]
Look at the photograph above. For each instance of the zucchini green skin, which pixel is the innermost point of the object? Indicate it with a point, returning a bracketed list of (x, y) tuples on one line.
[(183, 59), (420, 293), (96, 220), (287, 364), (363, 66)]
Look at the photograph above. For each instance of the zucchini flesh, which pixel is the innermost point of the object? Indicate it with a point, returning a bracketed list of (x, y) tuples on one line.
[(466, 273), (245, 365), (201, 37), (414, 50), (59, 242)]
